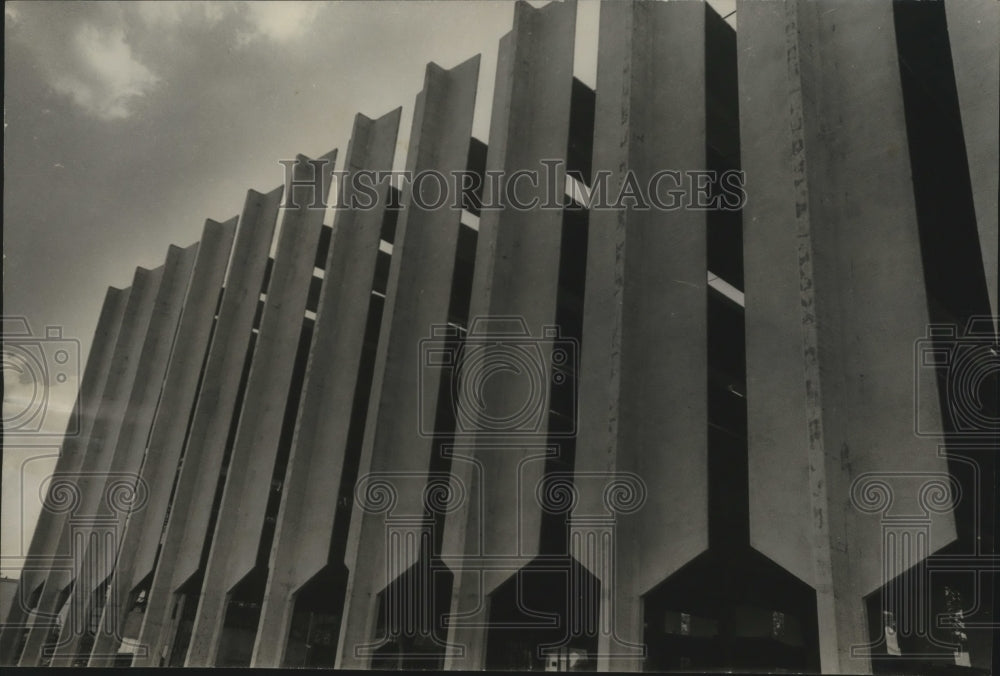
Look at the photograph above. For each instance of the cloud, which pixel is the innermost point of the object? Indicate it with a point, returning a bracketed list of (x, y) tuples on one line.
[(170, 14), (106, 79), (278, 22), (84, 54), (107, 57)]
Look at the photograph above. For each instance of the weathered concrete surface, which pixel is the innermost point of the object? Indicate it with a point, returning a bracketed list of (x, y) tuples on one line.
[(121, 489), (203, 453), (237, 534), (516, 274), (643, 383), (973, 27), (418, 298), (41, 555), (98, 454), (166, 437), (309, 500), (829, 193)]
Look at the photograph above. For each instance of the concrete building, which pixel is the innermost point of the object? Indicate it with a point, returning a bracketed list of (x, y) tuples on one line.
[(745, 418)]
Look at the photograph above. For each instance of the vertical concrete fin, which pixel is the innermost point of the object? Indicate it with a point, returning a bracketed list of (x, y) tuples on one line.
[(515, 279), (227, 371), (236, 538), (187, 361), (780, 522), (190, 508), (48, 529), (844, 408), (643, 398), (418, 298), (119, 490), (319, 445), (97, 456), (166, 438)]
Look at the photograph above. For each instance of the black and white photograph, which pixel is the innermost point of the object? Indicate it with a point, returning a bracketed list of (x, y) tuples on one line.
[(534, 335)]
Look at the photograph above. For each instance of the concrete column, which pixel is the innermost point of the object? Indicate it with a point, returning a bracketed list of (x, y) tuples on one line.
[(98, 453), (237, 534), (973, 27), (121, 488), (166, 437), (419, 293), (834, 299), (643, 384), (42, 553), (315, 464), (516, 280), (190, 509)]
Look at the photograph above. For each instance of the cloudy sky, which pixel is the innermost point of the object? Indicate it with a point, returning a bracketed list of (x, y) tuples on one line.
[(127, 124)]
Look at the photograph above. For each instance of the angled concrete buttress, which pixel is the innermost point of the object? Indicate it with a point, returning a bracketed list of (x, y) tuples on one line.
[(185, 531), (333, 374), (166, 437), (41, 555)]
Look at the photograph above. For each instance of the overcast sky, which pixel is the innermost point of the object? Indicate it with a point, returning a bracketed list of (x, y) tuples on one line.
[(127, 124)]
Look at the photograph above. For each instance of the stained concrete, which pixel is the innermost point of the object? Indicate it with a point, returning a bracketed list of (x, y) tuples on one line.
[(829, 194), (643, 383)]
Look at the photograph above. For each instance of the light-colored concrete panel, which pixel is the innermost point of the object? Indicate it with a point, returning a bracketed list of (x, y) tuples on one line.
[(166, 437), (98, 454), (643, 390), (516, 277), (42, 550), (418, 298), (120, 489), (190, 509), (240, 521), (316, 462), (835, 174)]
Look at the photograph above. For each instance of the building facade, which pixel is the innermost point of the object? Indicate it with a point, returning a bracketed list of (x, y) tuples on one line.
[(680, 432)]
